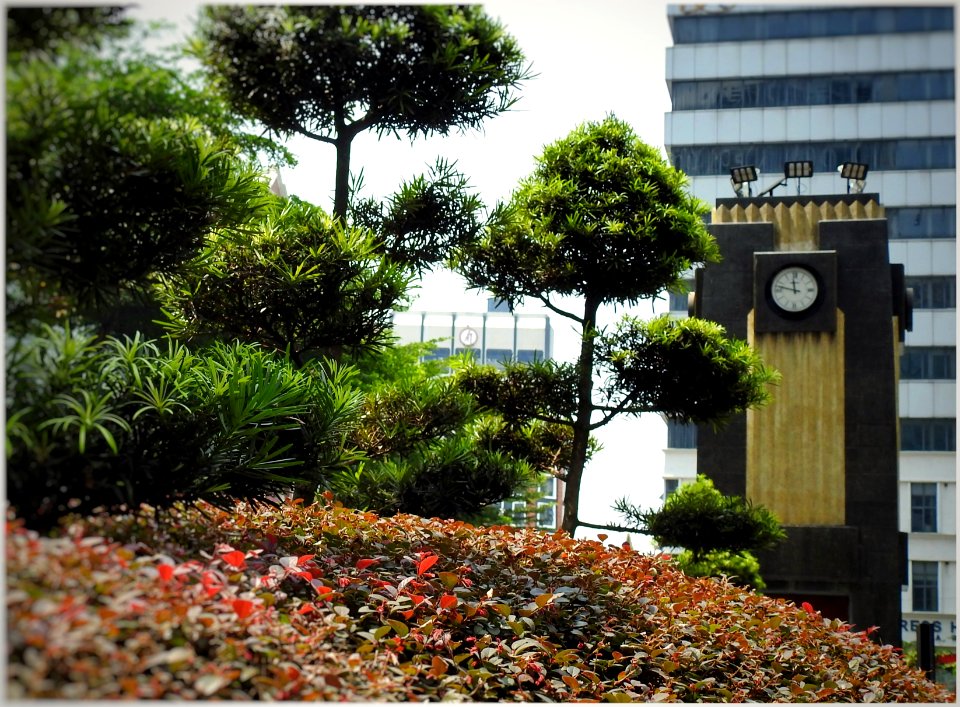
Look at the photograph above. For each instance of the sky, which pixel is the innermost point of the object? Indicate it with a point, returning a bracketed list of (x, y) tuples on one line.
[(589, 60)]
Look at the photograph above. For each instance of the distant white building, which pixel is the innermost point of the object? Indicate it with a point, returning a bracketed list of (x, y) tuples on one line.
[(492, 337), (761, 85)]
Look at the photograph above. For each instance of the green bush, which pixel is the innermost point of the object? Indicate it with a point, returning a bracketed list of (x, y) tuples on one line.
[(117, 423), (320, 602)]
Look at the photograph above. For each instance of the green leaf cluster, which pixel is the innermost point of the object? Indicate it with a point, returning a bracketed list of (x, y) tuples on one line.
[(603, 215), (334, 69), (687, 369), (114, 423), (741, 567), (698, 518), (112, 179), (292, 279)]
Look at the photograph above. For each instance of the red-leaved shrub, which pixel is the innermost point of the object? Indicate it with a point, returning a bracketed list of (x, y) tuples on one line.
[(320, 602)]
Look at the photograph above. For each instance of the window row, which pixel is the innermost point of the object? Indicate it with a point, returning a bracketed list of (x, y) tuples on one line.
[(490, 355), (523, 514), (934, 434), (880, 155), (933, 291), (922, 222), (928, 363), (742, 26), (812, 90)]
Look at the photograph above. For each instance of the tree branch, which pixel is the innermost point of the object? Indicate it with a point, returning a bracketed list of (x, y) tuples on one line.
[(549, 305), (317, 136), (614, 528)]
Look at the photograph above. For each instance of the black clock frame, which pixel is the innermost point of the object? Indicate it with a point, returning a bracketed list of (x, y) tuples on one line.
[(821, 316)]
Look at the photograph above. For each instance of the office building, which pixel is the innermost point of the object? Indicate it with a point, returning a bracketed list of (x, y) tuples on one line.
[(763, 85)]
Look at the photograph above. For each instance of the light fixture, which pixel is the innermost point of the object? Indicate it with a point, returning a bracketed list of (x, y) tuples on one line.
[(739, 176), (798, 170), (856, 175)]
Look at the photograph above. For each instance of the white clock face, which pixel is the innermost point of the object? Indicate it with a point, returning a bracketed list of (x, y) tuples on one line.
[(794, 289), (468, 336)]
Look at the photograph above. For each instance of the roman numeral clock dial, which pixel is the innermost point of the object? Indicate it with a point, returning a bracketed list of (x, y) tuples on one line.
[(794, 289)]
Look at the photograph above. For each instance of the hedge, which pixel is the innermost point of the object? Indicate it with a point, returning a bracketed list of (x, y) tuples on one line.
[(321, 602)]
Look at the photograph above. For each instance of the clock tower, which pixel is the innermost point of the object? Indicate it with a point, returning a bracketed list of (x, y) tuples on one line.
[(808, 283)]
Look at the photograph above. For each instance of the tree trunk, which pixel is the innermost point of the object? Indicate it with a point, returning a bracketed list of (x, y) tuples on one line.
[(581, 428), (341, 196)]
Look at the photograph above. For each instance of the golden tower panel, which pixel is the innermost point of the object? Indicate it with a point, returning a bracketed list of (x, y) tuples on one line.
[(795, 445)]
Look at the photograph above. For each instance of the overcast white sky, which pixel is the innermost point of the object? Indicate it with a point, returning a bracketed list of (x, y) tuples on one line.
[(607, 56)]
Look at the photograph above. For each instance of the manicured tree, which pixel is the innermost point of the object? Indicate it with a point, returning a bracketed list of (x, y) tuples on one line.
[(605, 218), (429, 450), (292, 280), (330, 72), (718, 533)]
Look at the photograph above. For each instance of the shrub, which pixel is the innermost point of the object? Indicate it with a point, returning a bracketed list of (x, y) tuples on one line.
[(116, 423), (320, 602)]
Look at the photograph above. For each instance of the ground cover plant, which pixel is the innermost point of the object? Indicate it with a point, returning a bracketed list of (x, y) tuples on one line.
[(321, 602)]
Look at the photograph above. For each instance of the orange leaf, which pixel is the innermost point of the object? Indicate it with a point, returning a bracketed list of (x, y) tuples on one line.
[(363, 564), (235, 559), (242, 607), (426, 563), (448, 601), (303, 559), (165, 571), (602, 536), (438, 667), (407, 614), (417, 599)]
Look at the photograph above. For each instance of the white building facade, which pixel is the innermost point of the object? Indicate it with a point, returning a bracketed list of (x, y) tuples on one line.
[(762, 85)]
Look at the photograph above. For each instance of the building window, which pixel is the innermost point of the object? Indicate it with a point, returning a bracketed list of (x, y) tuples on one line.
[(922, 222), (498, 356), (548, 489), (497, 305), (935, 292), (811, 90), (670, 486), (928, 434), (925, 585), (547, 514), (529, 355), (681, 435), (929, 363), (745, 27), (768, 157), (923, 508), (678, 301), (438, 352)]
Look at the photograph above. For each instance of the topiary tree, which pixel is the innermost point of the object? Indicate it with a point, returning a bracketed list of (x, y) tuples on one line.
[(605, 218), (718, 533), (292, 280), (330, 72)]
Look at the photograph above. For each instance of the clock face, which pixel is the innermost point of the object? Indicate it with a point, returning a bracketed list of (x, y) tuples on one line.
[(794, 289)]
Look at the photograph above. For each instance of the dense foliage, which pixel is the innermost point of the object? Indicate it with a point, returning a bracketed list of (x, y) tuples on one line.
[(293, 279), (699, 518), (605, 217), (329, 72), (320, 602), (117, 169), (114, 423)]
